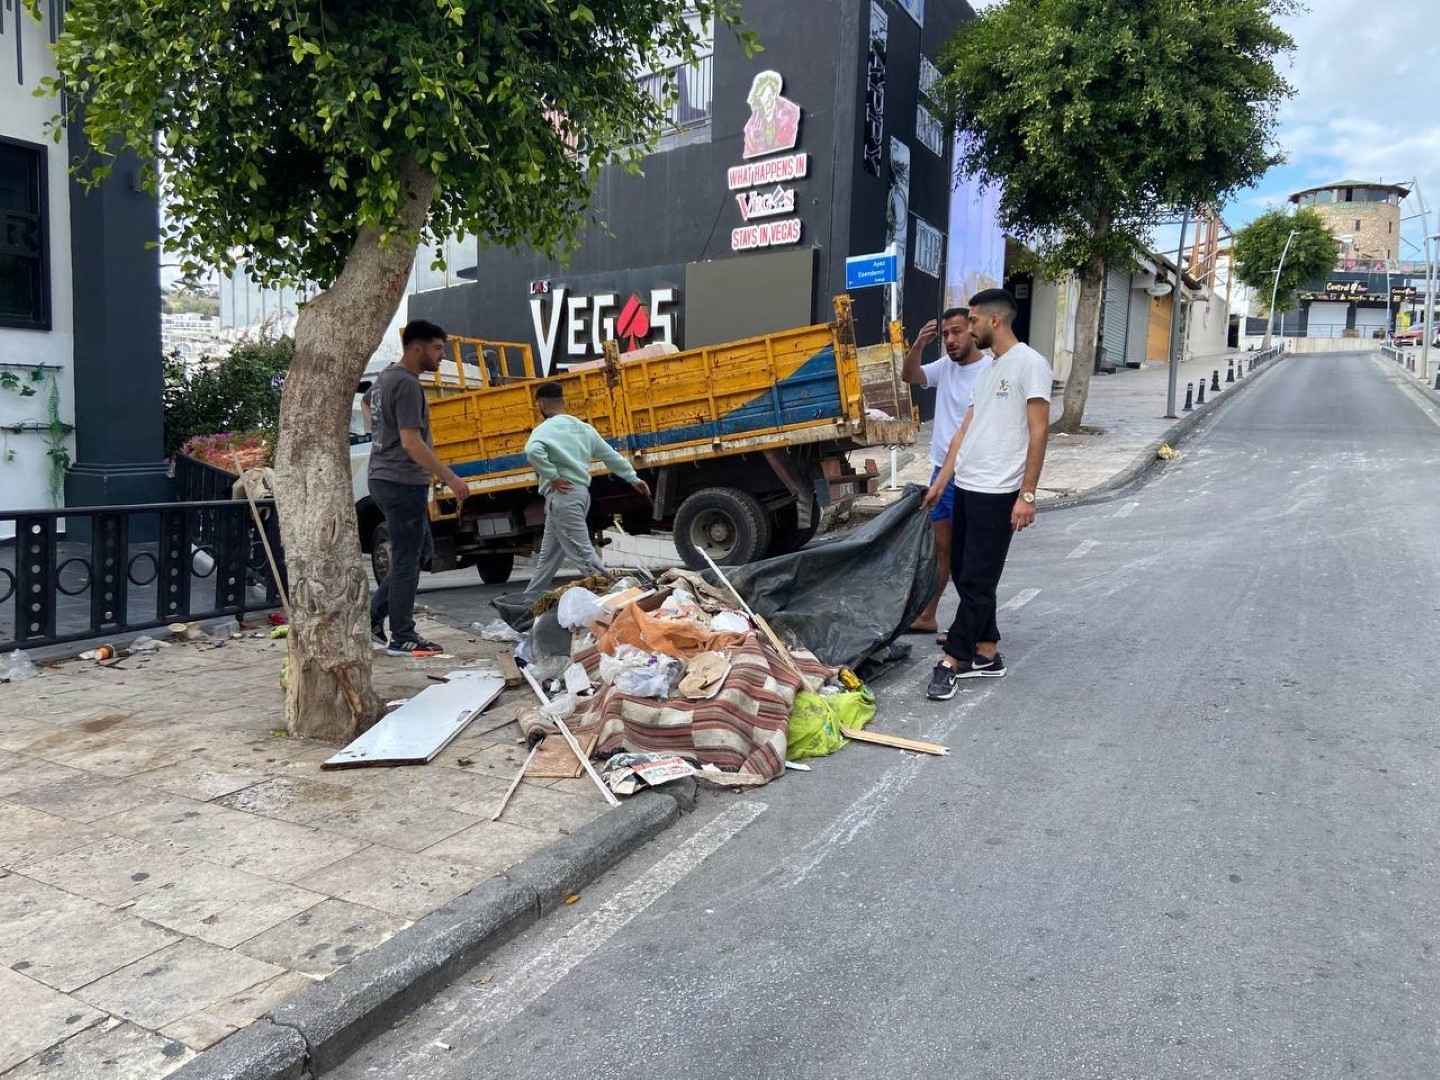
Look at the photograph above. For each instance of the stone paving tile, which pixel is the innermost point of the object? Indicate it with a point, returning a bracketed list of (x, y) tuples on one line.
[(298, 799), (201, 778), (36, 1017), (221, 905), (27, 835), (119, 756), (493, 846), (85, 799), (66, 941), (18, 731), (177, 981), (111, 1050), (239, 1009), (324, 937), (549, 811), (272, 849), (18, 772), (395, 881), (406, 828), (113, 870), (199, 1031)]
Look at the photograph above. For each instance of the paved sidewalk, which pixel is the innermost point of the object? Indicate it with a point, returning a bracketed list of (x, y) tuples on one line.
[(172, 865), (1124, 415)]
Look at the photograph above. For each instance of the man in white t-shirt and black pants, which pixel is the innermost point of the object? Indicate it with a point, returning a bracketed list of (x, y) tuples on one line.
[(952, 377), (994, 462)]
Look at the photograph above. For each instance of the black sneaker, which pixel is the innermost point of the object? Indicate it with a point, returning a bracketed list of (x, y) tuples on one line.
[(378, 640), (415, 646), (944, 681), (980, 668)]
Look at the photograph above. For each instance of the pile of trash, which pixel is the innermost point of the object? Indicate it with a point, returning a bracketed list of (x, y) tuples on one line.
[(687, 675)]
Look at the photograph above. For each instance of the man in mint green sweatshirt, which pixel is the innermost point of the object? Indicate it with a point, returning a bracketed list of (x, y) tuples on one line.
[(560, 451)]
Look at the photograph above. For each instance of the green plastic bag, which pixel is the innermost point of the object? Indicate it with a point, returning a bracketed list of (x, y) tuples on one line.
[(816, 719)]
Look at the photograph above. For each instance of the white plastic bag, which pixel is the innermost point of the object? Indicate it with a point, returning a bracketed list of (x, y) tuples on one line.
[(641, 674), (495, 630), (730, 622), (17, 666), (144, 644), (579, 608)]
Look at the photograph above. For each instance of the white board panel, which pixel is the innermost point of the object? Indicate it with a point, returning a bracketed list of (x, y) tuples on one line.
[(414, 733)]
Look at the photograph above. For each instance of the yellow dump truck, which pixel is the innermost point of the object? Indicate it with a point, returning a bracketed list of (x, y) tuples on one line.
[(742, 443)]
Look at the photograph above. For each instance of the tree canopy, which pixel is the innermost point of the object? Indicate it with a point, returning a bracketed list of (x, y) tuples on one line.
[(1258, 247), (1097, 117), (282, 127)]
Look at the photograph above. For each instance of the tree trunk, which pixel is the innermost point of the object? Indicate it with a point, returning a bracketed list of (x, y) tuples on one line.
[(328, 691), (1087, 335)]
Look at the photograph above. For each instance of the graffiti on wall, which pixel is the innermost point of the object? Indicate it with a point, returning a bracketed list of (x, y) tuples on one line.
[(872, 154)]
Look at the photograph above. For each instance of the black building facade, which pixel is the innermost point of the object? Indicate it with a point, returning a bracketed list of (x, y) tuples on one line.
[(780, 166)]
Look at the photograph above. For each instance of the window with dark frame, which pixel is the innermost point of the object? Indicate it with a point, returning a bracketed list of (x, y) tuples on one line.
[(24, 238)]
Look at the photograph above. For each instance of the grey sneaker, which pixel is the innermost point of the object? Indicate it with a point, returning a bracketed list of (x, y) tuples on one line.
[(980, 668), (415, 646), (944, 681)]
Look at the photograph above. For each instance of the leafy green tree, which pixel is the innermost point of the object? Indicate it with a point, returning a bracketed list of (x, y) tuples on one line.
[(1097, 117), (320, 143), (1260, 245), (238, 393)]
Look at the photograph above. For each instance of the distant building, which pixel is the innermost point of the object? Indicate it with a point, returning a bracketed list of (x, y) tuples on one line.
[(1364, 216)]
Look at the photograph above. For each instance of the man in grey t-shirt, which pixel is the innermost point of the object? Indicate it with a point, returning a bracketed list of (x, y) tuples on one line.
[(402, 461)]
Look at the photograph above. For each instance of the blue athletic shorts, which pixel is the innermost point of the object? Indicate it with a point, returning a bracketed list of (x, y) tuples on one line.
[(945, 509)]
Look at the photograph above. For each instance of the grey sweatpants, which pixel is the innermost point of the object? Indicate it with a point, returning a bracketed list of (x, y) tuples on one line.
[(566, 540)]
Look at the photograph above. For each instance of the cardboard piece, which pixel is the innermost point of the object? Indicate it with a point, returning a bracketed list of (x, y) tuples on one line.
[(555, 761)]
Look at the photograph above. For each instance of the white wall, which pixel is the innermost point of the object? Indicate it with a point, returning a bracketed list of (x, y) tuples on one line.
[(1208, 331), (25, 480)]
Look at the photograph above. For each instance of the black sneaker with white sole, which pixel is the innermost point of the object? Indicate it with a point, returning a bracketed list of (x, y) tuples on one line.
[(944, 681), (414, 646), (981, 668), (378, 640)]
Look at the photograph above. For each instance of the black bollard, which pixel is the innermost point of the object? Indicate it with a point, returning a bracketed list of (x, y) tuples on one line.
[(1215, 381), (1240, 369), (1437, 379), (1189, 396), (1230, 372), (1200, 392)]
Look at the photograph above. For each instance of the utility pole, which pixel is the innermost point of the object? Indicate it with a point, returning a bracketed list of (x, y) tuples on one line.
[(1274, 289), (1179, 291)]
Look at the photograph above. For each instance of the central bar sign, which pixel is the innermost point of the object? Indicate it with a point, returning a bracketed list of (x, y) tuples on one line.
[(773, 129)]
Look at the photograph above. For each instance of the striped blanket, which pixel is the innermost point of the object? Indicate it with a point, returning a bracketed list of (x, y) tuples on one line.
[(742, 729)]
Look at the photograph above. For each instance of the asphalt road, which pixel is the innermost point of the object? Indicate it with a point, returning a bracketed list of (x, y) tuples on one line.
[(1191, 834)]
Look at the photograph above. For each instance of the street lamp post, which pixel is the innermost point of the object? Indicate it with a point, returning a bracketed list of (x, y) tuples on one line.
[(1275, 288)]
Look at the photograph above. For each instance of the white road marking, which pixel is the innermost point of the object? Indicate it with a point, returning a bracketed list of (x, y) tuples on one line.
[(1083, 550), (503, 1001), (1019, 600), (1126, 510)]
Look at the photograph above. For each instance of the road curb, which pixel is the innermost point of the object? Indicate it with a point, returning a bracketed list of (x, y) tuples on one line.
[(316, 1029), (1146, 461)]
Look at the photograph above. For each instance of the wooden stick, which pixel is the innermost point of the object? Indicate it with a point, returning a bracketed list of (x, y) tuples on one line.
[(895, 741), (265, 540), (764, 627), (570, 740), (516, 782)]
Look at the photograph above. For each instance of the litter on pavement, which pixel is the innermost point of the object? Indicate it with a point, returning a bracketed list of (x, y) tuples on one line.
[(423, 726)]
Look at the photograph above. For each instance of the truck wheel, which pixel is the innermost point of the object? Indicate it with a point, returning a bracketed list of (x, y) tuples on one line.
[(727, 524), (787, 536), (380, 553), (495, 569)]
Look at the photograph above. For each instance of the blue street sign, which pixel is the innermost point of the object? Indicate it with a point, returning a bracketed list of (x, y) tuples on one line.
[(863, 271)]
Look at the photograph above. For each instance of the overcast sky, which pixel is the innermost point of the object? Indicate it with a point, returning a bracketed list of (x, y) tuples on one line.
[(1366, 107)]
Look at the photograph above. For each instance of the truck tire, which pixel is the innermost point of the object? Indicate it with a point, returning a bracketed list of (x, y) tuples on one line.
[(786, 535), (380, 553), (727, 524), (495, 569)]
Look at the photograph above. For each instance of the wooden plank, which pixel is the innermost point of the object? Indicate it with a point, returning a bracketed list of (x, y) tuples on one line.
[(414, 733), (505, 801), (556, 762), (896, 741), (509, 670)]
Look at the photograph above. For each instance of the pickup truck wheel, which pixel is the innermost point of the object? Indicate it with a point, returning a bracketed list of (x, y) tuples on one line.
[(495, 569), (380, 553), (727, 524)]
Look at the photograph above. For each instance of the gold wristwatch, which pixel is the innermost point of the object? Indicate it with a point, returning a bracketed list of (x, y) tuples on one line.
[(1028, 496)]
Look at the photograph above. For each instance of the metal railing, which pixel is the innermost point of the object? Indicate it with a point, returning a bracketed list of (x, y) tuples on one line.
[(689, 89), (87, 572)]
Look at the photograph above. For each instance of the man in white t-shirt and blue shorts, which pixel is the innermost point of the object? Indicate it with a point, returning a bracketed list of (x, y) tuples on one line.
[(993, 464), (952, 377)]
